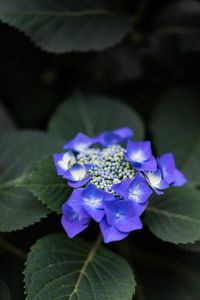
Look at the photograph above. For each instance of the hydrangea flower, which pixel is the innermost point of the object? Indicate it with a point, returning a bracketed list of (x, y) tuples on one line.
[(112, 182), (77, 175)]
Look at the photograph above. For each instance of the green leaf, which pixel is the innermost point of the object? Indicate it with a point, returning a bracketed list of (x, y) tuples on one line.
[(6, 124), (61, 26), (177, 30), (92, 115), (175, 216), (175, 127), (59, 268), (4, 291), (19, 153), (47, 186)]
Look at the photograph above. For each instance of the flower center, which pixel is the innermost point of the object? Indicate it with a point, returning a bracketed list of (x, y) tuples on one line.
[(108, 166)]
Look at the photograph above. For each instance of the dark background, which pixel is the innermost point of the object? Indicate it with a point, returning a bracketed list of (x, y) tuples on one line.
[(33, 83), (137, 71)]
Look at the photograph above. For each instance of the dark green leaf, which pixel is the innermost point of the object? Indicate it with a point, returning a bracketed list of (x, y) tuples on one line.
[(92, 115), (177, 28), (175, 127), (60, 26), (4, 292), (19, 153), (175, 216), (44, 183), (58, 268), (6, 124)]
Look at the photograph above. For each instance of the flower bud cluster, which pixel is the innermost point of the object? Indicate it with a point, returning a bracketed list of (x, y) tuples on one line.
[(108, 166)]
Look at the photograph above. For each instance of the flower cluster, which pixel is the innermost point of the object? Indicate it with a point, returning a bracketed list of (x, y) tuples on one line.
[(112, 183)]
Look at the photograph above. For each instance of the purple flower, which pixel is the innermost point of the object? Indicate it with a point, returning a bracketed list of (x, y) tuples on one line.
[(73, 222), (120, 135), (140, 156), (156, 181), (111, 233), (77, 175), (169, 171), (112, 184), (80, 143), (90, 200), (121, 218), (167, 174), (93, 201), (136, 190), (63, 161)]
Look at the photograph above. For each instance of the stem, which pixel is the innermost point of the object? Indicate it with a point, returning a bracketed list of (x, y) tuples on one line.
[(11, 248)]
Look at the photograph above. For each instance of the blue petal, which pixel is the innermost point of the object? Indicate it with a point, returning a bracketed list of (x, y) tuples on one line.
[(170, 173), (72, 222), (122, 187), (63, 161), (157, 191), (76, 173), (122, 215), (148, 165), (75, 201), (138, 190), (78, 184), (156, 181), (93, 199), (167, 166), (179, 178), (119, 135), (140, 207), (80, 143), (108, 138), (110, 233), (138, 151), (125, 133)]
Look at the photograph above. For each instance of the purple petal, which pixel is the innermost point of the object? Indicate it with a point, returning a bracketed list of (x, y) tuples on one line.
[(148, 165), (63, 161), (92, 196), (156, 181), (139, 151), (122, 215), (179, 178), (92, 199), (140, 207), (122, 187), (78, 184), (110, 233), (72, 222), (167, 166), (125, 133), (75, 201), (138, 190), (76, 173), (129, 224), (157, 191), (108, 138), (80, 143)]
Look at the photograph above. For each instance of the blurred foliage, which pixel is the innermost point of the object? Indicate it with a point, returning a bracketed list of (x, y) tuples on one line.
[(160, 53)]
